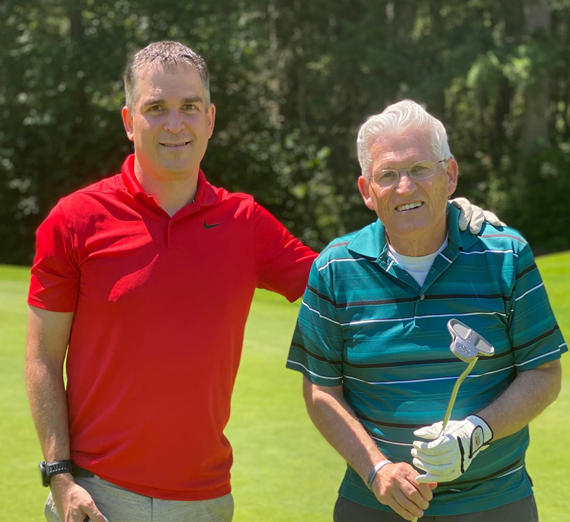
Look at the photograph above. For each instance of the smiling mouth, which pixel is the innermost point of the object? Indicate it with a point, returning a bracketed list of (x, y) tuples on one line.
[(409, 206), (175, 145)]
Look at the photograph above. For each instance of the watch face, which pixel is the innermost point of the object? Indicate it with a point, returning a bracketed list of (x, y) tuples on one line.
[(45, 481)]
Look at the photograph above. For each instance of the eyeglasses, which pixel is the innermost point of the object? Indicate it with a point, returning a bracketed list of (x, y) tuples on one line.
[(418, 171)]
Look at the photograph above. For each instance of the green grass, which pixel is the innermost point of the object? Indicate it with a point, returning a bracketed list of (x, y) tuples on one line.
[(20, 496), (548, 457), (283, 470)]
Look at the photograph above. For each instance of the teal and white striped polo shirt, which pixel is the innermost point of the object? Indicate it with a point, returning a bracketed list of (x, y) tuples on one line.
[(366, 324)]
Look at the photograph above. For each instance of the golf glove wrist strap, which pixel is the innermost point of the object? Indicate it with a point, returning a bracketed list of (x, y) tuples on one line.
[(375, 471), (480, 436)]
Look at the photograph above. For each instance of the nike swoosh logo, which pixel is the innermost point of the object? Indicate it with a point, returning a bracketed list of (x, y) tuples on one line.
[(206, 226)]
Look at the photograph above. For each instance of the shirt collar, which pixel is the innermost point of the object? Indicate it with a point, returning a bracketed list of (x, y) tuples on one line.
[(371, 240), (206, 194), (129, 178)]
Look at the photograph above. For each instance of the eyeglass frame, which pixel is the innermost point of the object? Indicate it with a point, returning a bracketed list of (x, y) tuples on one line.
[(411, 176)]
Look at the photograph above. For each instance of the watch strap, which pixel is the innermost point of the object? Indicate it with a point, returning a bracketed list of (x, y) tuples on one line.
[(49, 469)]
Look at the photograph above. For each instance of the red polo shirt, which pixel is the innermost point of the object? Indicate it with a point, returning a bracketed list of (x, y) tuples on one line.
[(160, 309)]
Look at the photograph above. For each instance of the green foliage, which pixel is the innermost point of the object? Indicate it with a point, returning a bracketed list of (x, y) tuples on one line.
[(292, 83), (541, 202)]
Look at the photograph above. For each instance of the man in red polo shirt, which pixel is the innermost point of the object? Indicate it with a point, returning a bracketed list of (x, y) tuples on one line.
[(144, 281)]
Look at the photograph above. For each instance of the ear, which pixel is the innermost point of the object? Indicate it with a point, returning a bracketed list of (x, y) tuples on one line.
[(364, 187), (128, 122), (211, 119), (452, 173)]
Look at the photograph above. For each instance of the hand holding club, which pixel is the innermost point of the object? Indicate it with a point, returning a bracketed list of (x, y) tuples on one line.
[(451, 452)]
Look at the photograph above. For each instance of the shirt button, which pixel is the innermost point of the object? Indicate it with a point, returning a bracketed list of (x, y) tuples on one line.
[(422, 297)]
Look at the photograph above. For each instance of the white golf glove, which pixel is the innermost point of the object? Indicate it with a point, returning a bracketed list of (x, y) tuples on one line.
[(450, 453), (473, 217)]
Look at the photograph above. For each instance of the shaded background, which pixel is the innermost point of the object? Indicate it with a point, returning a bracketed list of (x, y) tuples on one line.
[(292, 82)]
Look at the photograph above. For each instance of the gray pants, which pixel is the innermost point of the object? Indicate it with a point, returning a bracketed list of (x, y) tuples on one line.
[(522, 511), (121, 505)]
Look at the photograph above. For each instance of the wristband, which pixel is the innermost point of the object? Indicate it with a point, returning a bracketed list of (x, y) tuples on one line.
[(375, 471)]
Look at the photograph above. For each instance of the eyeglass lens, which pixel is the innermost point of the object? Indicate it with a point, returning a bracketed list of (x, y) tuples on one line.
[(418, 171)]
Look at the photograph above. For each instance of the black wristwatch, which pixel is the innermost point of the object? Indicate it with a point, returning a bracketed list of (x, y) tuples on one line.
[(49, 469)]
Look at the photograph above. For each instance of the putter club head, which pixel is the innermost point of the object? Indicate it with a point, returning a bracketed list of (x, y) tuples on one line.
[(467, 344)]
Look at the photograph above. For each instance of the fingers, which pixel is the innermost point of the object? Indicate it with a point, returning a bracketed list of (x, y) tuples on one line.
[(424, 490), (450, 455), (439, 468), (493, 219), (428, 479), (477, 220), (441, 459), (396, 487), (439, 446), (405, 507), (408, 503), (440, 471), (93, 513), (465, 212), (76, 504), (429, 432), (473, 216)]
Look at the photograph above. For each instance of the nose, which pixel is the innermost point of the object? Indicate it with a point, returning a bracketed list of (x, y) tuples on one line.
[(173, 122), (405, 183)]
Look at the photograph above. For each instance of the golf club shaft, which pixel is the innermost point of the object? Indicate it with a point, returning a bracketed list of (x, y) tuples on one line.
[(451, 402)]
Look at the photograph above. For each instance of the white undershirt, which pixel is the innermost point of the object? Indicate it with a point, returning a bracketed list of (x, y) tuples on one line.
[(417, 267)]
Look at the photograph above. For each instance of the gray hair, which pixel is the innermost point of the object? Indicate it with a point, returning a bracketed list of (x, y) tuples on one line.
[(398, 117), (166, 53)]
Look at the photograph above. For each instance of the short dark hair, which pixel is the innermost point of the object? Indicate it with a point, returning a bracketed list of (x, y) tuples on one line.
[(164, 53)]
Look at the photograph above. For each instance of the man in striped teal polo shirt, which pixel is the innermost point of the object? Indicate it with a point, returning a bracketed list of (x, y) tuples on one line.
[(372, 344)]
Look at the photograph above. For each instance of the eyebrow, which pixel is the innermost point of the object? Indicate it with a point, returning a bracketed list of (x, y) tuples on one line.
[(161, 101), (193, 99)]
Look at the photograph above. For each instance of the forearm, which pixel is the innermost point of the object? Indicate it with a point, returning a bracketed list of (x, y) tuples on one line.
[(48, 337), (395, 484), (48, 403), (338, 424), (527, 396)]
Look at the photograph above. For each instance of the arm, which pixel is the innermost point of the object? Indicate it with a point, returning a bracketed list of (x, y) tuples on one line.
[(48, 337), (534, 336), (395, 484), (283, 262), (527, 396)]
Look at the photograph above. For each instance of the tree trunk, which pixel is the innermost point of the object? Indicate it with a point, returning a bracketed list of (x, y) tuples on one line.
[(535, 125)]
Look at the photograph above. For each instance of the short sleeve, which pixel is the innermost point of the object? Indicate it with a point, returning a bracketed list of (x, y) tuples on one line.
[(283, 262), (533, 330), (55, 274), (317, 346)]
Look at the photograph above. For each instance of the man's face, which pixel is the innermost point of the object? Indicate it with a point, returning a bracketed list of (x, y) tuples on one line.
[(170, 124), (411, 211)]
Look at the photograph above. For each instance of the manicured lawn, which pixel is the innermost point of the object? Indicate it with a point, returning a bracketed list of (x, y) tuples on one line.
[(283, 470)]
